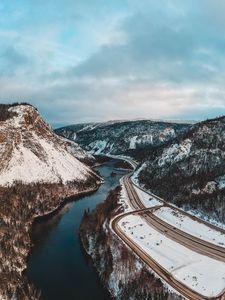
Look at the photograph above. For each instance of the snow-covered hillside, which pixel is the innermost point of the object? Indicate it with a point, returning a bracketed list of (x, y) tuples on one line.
[(38, 171), (31, 152), (190, 170), (122, 137)]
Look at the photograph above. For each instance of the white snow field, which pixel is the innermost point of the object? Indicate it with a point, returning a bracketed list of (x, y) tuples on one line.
[(187, 224), (198, 272), (25, 166)]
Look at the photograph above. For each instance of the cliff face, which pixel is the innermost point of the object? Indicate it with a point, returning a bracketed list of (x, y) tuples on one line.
[(190, 171), (38, 171), (122, 137), (119, 269)]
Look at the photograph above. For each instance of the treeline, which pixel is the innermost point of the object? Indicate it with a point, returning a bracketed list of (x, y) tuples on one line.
[(5, 114), (178, 189)]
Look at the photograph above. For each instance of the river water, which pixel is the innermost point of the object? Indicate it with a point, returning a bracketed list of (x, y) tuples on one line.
[(57, 263)]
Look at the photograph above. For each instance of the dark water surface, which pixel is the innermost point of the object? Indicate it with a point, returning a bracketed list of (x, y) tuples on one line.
[(57, 264)]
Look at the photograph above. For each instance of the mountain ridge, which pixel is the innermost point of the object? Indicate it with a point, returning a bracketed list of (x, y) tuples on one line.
[(190, 170), (123, 137)]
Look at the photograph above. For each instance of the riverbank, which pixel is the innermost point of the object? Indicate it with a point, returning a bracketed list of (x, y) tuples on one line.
[(20, 206), (57, 264)]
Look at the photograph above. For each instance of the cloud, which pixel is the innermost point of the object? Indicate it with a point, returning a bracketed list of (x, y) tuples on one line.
[(11, 60), (159, 41), (98, 60)]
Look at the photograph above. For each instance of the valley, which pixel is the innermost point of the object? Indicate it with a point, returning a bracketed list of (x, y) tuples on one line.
[(178, 229), (48, 180), (112, 150), (57, 247)]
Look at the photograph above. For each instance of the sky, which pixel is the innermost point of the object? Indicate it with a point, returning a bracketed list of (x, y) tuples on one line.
[(98, 60)]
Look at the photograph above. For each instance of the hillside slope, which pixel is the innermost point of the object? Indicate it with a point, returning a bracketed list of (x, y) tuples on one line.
[(122, 137), (30, 152), (190, 171), (38, 172)]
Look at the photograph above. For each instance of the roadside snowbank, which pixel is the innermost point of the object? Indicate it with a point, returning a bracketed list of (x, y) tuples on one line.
[(192, 269), (186, 224)]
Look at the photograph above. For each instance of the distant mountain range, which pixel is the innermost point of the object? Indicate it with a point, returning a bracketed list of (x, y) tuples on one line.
[(122, 137)]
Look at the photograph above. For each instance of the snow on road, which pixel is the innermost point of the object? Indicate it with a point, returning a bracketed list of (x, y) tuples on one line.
[(146, 199), (191, 268), (187, 224)]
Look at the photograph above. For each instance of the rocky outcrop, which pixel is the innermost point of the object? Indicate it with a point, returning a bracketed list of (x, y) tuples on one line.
[(121, 272)]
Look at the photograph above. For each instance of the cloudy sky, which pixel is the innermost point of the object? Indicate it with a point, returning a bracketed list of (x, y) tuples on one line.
[(97, 60)]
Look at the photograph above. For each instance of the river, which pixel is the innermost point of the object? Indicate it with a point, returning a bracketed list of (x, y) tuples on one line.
[(57, 263)]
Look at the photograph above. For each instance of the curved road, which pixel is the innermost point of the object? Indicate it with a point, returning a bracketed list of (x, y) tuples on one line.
[(194, 243), (189, 241)]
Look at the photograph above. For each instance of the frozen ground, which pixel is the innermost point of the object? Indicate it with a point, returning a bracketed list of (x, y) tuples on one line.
[(200, 273), (186, 224)]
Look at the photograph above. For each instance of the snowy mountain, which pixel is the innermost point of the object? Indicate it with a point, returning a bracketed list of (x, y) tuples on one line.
[(39, 172), (31, 152), (122, 137), (190, 170)]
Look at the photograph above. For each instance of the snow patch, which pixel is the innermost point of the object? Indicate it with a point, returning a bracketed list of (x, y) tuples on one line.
[(133, 142), (27, 167), (175, 153), (146, 199), (97, 147), (221, 182)]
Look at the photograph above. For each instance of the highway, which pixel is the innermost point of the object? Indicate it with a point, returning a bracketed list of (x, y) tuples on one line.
[(181, 237), (194, 243)]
